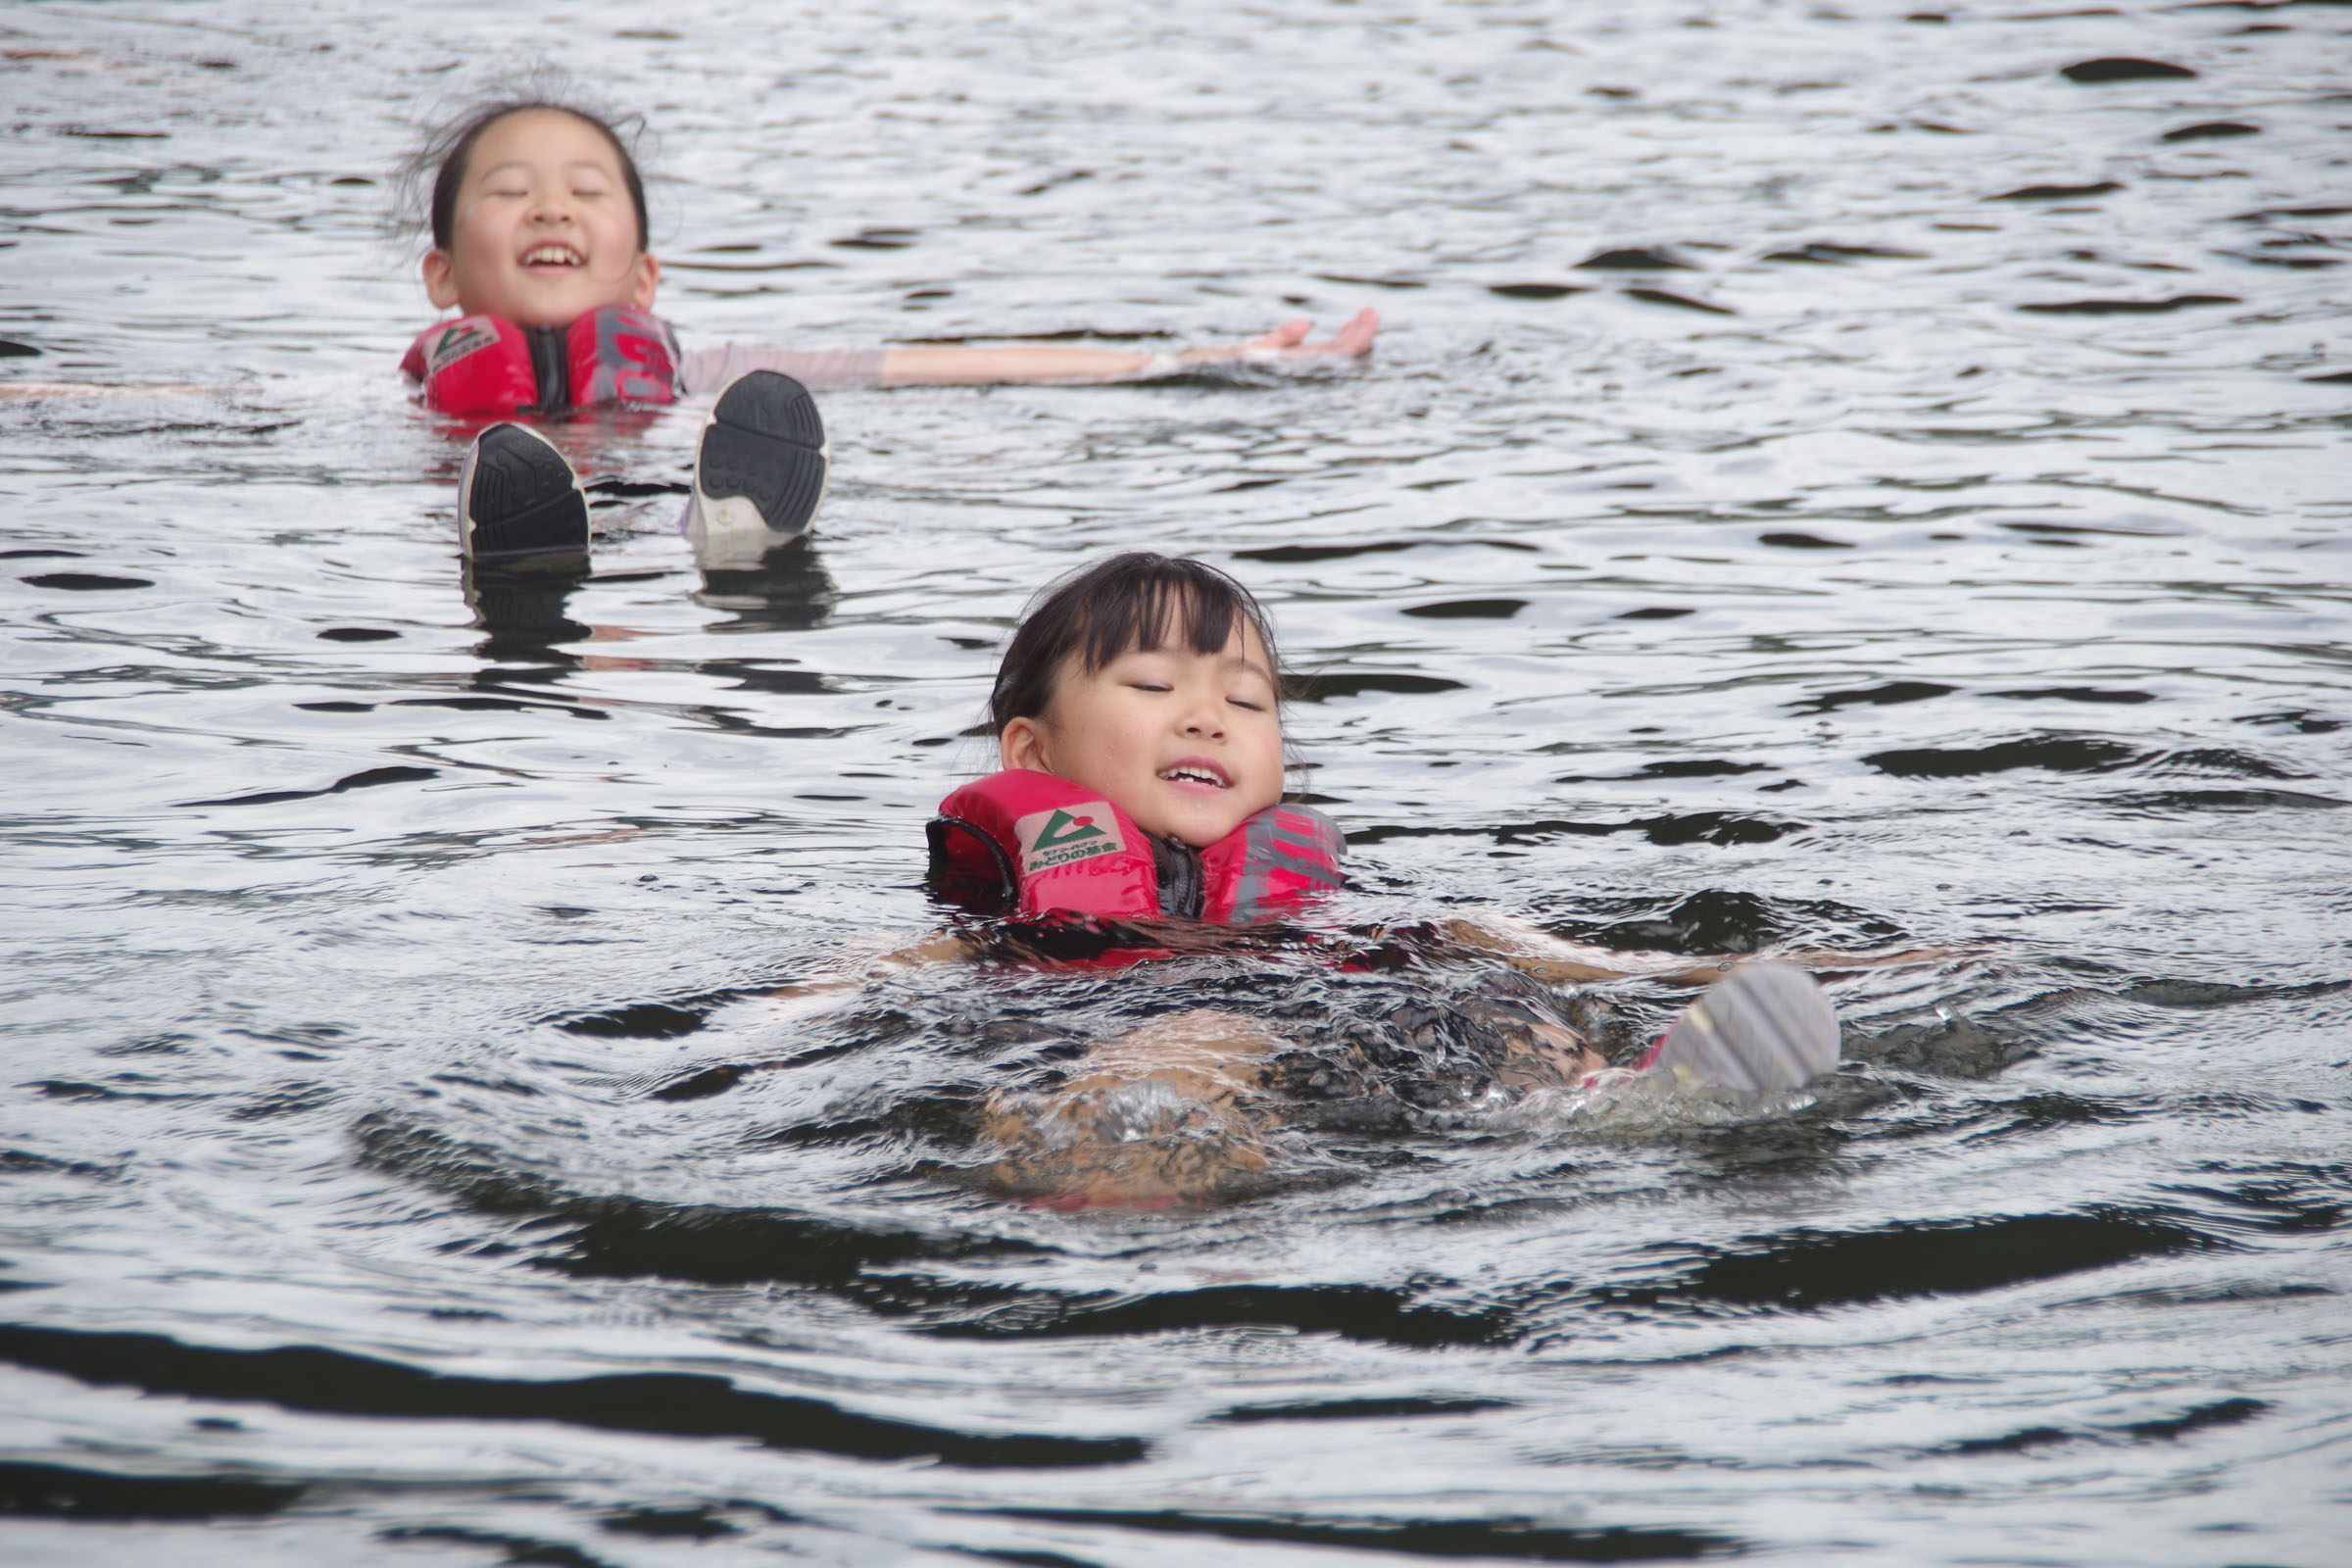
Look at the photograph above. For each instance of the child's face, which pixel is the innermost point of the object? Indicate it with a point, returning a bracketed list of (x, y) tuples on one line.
[(544, 230), (1186, 743)]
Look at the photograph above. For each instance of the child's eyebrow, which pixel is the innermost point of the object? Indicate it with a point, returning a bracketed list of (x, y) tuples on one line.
[(1252, 667), (524, 166)]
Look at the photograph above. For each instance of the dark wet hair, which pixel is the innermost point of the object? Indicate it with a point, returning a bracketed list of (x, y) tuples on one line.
[(450, 150), (1125, 603)]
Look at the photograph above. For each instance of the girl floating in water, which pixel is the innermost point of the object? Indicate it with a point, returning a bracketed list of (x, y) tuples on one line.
[(539, 242), (1138, 815)]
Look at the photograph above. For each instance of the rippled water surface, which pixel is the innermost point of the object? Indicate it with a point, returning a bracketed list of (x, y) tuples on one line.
[(1828, 478)]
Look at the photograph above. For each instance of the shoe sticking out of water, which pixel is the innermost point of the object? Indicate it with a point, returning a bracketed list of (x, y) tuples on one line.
[(1762, 1027), (759, 472), (519, 502)]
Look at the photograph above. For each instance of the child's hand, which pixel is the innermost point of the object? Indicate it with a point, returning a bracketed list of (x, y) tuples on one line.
[(1894, 957), (1288, 343), (1289, 340)]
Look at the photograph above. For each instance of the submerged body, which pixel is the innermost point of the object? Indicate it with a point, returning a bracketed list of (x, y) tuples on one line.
[(1138, 817)]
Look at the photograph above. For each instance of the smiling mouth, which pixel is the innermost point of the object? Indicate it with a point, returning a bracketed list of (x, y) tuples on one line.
[(1196, 773), (551, 256)]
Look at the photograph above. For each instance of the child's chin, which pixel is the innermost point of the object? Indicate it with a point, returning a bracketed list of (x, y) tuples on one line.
[(546, 307), (1198, 833), (536, 315)]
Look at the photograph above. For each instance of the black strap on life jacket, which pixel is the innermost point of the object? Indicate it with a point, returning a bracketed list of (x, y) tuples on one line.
[(550, 364), (1183, 887), (960, 878)]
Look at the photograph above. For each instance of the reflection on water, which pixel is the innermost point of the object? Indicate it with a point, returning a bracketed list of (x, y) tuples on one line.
[(522, 614), (522, 609), (1835, 476), (788, 592)]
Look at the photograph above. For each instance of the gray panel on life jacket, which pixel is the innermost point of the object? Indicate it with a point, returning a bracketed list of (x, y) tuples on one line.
[(1294, 839)]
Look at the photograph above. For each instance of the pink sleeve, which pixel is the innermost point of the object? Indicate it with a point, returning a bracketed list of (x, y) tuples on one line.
[(706, 370)]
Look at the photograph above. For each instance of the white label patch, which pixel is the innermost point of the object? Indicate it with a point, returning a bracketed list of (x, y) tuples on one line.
[(461, 339), (1065, 834)]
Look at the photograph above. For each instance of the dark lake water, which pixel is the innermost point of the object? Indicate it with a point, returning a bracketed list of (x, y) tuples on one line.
[(1829, 478)]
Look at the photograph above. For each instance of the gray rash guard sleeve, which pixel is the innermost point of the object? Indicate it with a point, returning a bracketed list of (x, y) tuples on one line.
[(706, 370)]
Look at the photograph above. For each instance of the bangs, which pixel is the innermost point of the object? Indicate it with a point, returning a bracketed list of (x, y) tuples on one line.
[(1144, 614)]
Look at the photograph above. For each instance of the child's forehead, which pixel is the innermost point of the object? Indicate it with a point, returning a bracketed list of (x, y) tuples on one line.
[(541, 133)]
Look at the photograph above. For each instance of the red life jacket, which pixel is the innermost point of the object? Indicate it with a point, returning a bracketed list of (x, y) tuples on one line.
[(487, 364), (1039, 844)]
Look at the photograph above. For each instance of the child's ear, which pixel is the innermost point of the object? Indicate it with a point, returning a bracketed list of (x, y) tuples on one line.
[(440, 279), (1020, 744), (649, 278)]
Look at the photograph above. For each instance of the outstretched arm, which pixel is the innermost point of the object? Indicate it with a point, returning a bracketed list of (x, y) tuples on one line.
[(1529, 949), (27, 391), (846, 976), (993, 366)]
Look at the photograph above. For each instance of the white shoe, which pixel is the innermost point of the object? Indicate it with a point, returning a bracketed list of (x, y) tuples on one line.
[(759, 472), (1764, 1026)]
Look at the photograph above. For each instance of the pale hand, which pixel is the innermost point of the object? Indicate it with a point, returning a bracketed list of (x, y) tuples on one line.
[(1288, 344)]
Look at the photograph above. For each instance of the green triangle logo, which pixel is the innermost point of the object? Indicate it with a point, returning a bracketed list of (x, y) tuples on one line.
[(1062, 828)]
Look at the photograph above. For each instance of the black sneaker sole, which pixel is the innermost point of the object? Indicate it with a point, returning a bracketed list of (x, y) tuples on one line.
[(765, 445), (518, 498)]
